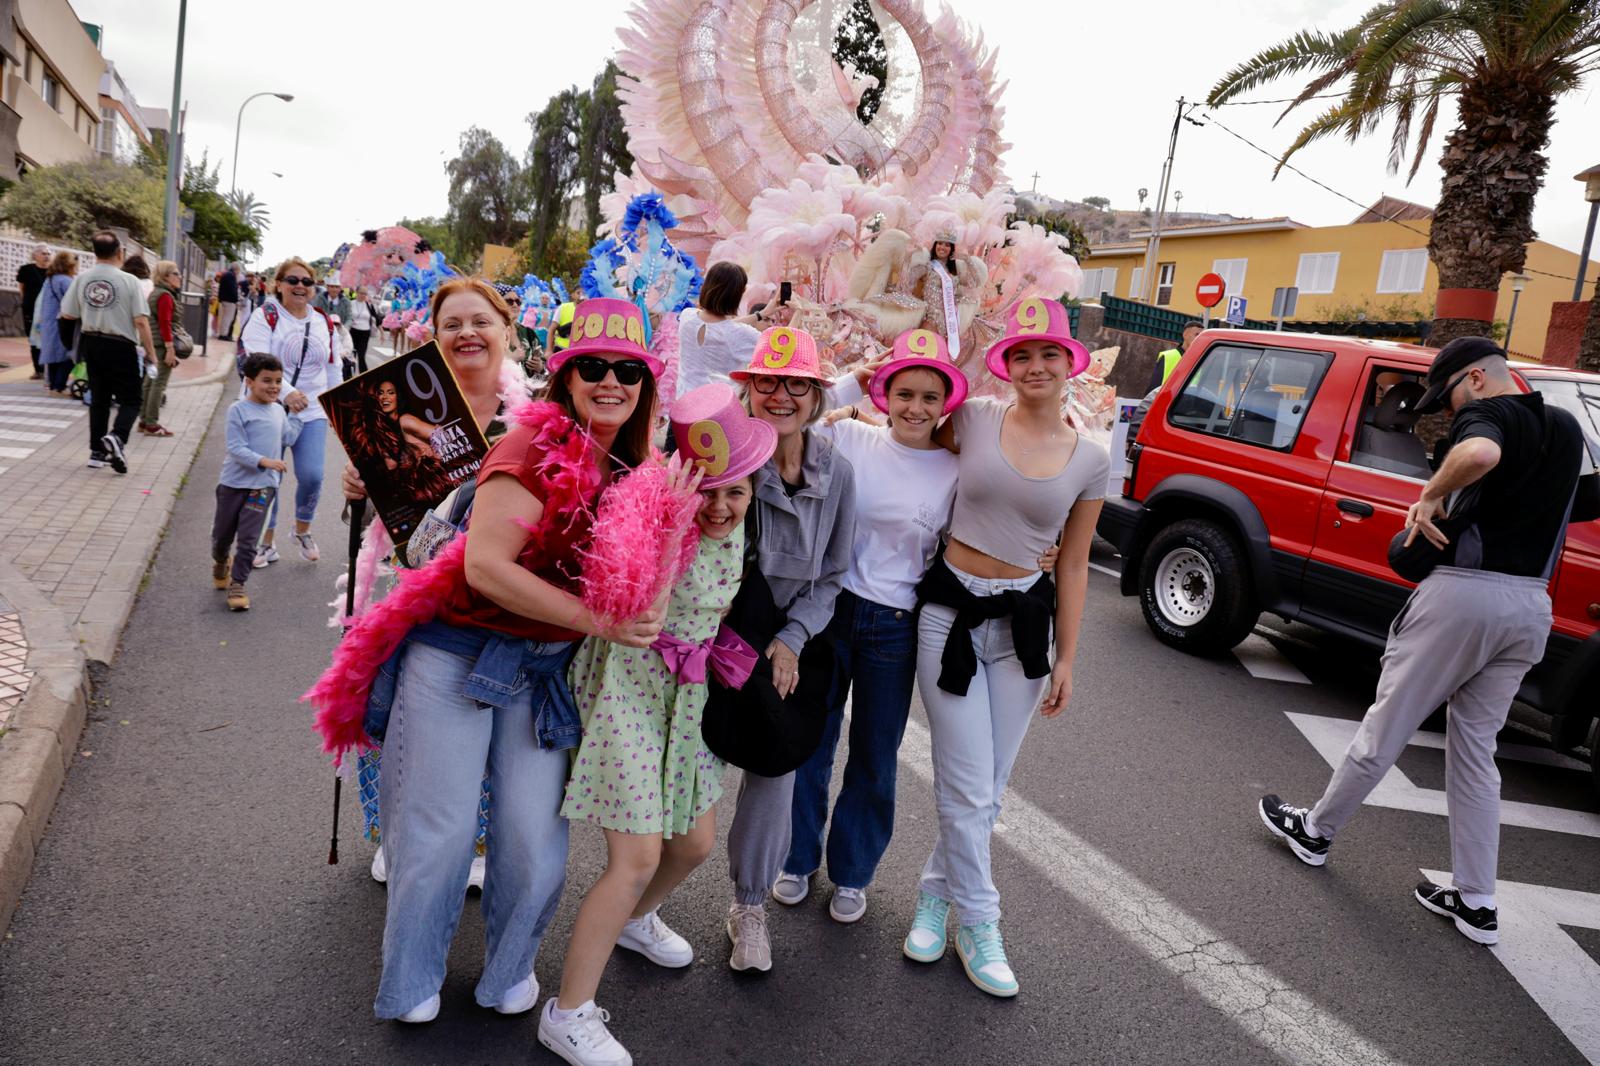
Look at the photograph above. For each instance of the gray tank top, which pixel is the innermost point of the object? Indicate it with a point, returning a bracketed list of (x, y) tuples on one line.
[(1003, 512)]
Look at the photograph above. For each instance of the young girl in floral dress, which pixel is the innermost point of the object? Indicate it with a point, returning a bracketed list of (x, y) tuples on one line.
[(643, 773)]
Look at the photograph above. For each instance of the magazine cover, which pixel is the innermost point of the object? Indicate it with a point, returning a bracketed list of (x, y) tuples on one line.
[(410, 433)]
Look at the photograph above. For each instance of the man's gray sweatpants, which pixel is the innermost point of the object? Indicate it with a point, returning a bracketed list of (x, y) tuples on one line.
[(758, 840), (1466, 636)]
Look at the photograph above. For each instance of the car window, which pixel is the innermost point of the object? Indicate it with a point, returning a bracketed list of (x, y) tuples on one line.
[(1251, 394), (1388, 436), (1581, 399)]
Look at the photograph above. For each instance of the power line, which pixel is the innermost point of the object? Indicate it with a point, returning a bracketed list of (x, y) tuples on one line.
[(1212, 120), (1285, 100)]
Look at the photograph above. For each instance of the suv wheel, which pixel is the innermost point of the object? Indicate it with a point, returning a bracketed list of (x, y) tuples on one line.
[(1194, 590)]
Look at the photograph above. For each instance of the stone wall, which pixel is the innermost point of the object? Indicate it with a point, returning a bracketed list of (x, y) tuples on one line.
[(1137, 361), (1567, 321)]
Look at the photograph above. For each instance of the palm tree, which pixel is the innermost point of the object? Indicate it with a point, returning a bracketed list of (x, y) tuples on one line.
[(1505, 63), (253, 211)]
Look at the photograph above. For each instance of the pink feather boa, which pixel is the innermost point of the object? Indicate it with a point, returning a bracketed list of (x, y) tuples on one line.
[(643, 542)]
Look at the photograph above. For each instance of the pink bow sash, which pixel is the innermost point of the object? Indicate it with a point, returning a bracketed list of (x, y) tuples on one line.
[(727, 654)]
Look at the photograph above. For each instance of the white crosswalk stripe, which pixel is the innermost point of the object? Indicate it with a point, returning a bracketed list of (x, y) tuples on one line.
[(27, 423), (9, 419)]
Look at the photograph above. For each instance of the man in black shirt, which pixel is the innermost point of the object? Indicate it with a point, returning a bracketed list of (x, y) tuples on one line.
[(1474, 626), (30, 282)]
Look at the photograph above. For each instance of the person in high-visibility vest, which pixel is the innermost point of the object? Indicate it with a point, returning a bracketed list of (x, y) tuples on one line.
[(561, 329), (1167, 361)]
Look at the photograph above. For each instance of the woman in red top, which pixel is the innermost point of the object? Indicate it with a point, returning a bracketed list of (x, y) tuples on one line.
[(163, 302), (482, 690)]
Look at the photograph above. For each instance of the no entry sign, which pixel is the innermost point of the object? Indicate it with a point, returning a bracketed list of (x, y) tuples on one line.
[(1210, 290)]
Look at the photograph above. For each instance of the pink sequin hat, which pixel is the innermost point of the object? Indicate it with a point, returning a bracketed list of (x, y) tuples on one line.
[(713, 429), (784, 352), (925, 348), (1036, 319), (608, 327)]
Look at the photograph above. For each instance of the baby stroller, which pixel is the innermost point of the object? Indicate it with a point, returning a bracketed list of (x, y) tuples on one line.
[(78, 381)]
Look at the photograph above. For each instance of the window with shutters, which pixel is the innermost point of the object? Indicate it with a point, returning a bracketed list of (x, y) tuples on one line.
[(1167, 271), (1232, 272), (1098, 281), (1136, 284), (1318, 273), (1403, 270)]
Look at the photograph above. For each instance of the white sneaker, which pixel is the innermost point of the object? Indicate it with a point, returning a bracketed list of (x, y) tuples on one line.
[(426, 1011), (791, 889), (475, 876), (582, 1038), (521, 997), (848, 905), (655, 940), (308, 547), (380, 868), (265, 556)]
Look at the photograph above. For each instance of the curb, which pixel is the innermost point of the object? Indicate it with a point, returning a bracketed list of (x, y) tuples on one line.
[(37, 749)]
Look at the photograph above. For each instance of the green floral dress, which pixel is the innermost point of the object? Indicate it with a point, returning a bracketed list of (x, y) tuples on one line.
[(642, 766)]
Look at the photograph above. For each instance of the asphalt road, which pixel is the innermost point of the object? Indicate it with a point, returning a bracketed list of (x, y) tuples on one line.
[(181, 910)]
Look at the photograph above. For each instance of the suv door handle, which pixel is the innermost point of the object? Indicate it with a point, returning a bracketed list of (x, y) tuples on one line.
[(1355, 507)]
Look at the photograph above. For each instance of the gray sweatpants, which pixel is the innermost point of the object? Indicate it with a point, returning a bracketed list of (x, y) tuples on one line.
[(1466, 637), (241, 514), (758, 840)]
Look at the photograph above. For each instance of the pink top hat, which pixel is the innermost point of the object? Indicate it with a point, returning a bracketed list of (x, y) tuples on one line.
[(713, 429), (784, 352), (920, 347), (1036, 319), (607, 327)]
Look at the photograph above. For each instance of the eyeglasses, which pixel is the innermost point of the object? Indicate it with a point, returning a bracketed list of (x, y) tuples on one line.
[(796, 387), (294, 279), (594, 369)]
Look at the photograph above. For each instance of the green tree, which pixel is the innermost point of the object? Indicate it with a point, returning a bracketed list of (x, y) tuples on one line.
[(1589, 346), (1056, 222), (1099, 203), (858, 44), (218, 229), (253, 211), (602, 145), (554, 165), (70, 201), (488, 194), (1505, 63), (436, 231)]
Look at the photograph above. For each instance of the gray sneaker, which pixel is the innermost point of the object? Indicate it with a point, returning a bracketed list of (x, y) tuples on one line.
[(747, 928), (791, 889), (848, 905)]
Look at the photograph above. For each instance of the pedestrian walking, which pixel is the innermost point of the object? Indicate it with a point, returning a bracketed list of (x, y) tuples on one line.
[(227, 301), (115, 321), (805, 514), (163, 304), (1496, 513), (257, 432), (30, 283), (364, 318), (1026, 479), (304, 340), (643, 773), (56, 355)]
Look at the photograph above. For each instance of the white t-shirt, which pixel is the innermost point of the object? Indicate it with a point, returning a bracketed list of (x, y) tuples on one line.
[(302, 345), (728, 346), (903, 501), (360, 317)]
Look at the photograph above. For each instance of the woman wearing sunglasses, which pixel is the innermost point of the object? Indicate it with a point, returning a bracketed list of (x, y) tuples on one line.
[(481, 692), (305, 341)]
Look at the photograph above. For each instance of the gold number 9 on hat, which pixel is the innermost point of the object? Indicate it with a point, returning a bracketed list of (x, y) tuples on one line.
[(710, 446), (1033, 316), (921, 342), (780, 349)]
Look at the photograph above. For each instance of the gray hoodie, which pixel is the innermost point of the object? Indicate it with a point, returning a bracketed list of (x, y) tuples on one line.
[(806, 539)]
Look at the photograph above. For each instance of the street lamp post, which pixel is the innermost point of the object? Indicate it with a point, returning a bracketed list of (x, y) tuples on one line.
[(1591, 193), (169, 220), (1518, 283), (233, 182)]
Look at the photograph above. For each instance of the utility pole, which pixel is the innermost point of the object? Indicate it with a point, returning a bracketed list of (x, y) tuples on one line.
[(171, 229), (1153, 249)]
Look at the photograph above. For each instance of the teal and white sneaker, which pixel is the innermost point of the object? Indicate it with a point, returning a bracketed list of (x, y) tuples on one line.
[(926, 941), (984, 958)]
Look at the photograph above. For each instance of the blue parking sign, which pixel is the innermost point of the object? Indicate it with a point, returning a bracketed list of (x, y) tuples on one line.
[(1236, 308)]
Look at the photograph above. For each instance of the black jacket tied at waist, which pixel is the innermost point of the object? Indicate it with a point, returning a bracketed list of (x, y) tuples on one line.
[(1032, 612)]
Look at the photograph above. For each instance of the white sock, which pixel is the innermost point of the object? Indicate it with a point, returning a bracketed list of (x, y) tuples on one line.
[(1311, 828), (1477, 900), (559, 1015)]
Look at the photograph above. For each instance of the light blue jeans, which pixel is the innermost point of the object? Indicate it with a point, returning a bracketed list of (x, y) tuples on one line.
[(310, 451), (438, 746), (975, 740)]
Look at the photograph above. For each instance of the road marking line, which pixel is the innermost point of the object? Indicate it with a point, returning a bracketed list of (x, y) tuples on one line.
[(1267, 1008), (1514, 752), (42, 407), (17, 434), (1550, 966), (16, 453), (1262, 658), (1330, 737), (29, 420), (1105, 570)]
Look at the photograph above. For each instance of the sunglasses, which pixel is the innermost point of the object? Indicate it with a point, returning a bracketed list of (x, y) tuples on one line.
[(294, 279), (796, 387), (594, 369)]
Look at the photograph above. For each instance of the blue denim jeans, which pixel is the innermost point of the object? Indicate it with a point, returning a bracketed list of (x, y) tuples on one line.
[(309, 452), (877, 647), (438, 748)]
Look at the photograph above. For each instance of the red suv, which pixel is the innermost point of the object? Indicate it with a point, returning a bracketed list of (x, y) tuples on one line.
[(1270, 474)]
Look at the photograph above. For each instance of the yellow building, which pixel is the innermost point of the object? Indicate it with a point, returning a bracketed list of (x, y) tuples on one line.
[(1376, 268)]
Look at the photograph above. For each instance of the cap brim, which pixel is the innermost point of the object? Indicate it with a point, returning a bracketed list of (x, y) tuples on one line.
[(751, 460), (1432, 399), (995, 359), (878, 389)]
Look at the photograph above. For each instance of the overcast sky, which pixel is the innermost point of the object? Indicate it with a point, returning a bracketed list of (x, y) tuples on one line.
[(383, 92)]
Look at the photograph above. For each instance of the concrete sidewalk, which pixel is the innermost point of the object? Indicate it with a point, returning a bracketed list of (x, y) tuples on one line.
[(74, 547)]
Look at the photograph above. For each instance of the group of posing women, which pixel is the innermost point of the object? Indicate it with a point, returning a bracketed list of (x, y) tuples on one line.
[(959, 527)]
